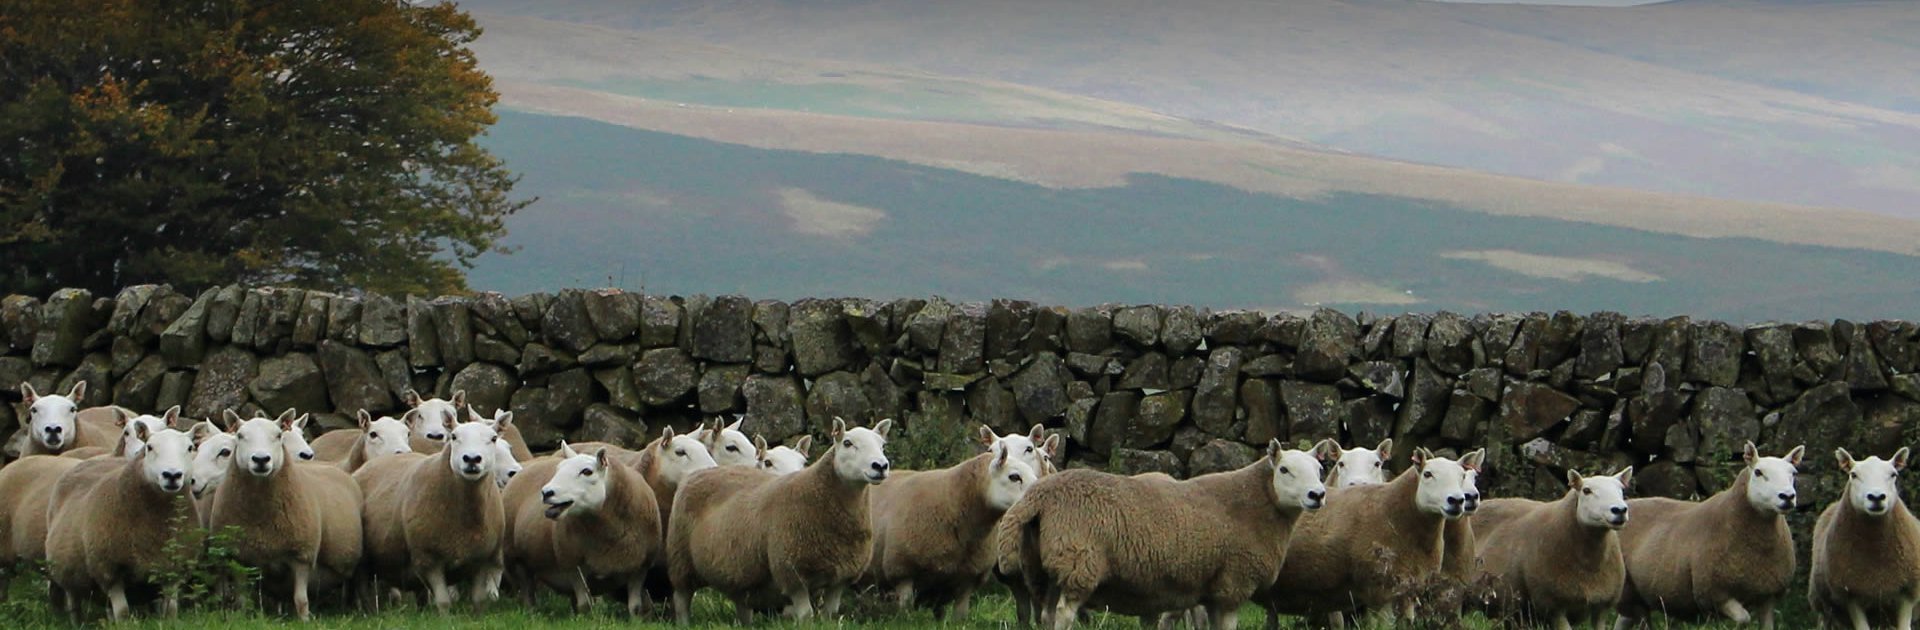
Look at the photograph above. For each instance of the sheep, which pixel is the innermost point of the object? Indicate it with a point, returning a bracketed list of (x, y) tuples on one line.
[(744, 531), (1730, 554), (57, 423), (107, 531), (1006, 569), (783, 460), (1373, 542), (578, 517), (729, 446), (297, 520), (25, 488), (439, 517), (932, 532), (1866, 548), (431, 424), (352, 448), (1557, 560), (509, 460), (1147, 545), (213, 458), (1360, 466)]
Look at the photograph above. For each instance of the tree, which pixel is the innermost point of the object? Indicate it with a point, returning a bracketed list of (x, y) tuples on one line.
[(316, 143)]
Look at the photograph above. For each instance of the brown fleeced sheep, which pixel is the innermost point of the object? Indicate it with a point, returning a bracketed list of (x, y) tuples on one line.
[(1557, 561), (933, 532), (352, 448), (1866, 549), (26, 485), (429, 430), (296, 521), (57, 423), (1372, 544), (1150, 545), (437, 518), (1007, 569), (747, 532), (108, 532), (582, 517), (1728, 555)]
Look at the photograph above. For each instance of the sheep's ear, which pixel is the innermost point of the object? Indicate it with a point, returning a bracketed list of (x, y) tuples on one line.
[(1625, 476), (709, 437), (1573, 479), (78, 393), (1420, 456), (839, 427), (120, 418), (1037, 433), (410, 417), (1793, 456), (1273, 449), (1051, 445), (1385, 449), (501, 421), (804, 444), (760, 446), (285, 421), (201, 431), (412, 398), (566, 450), (300, 423), (474, 416), (141, 432), (736, 423), (233, 420), (366, 419), (459, 398), (1001, 459), (1749, 454), (1473, 460), (1326, 450), (1900, 459), (1844, 459), (987, 436), (666, 436), (27, 395), (600, 460), (882, 427), (171, 416)]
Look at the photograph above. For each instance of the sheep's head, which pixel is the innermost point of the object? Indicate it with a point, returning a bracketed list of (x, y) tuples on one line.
[(859, 454), (1770, 479), (1872, 483), (1445, 483), (166, 458), (783, 460), (436, 418), (506, 467), (1603, 500), (579, 483), (131, 442), (295, 440), (1007, 480), (1361, 466), (260, 444), (211, 458), (472, 452), (386, 436), (1034, 448), (1472, 487), (53, 418), (727, 444), (679, 455), (1297, 475)]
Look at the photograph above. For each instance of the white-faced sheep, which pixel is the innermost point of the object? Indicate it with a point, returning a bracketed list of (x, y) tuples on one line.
[(1360, 466), (1866, 549), (1374, 543), (56, 423), (352, 448), (582, 517), (509, 462), (1728, 555), (747, 532), (729, 446), (783, 460), (26, 486), (295, 520), (437, 518), (1557, 561), (1149, 545), (933, 532), (1006, 569), (109, 531), (213, 459), (429, 426)]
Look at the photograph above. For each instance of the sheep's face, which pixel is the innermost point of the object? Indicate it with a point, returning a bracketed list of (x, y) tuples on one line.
[(53, 418), (261, 445), (434, 418), (728, 446), (295, 441), (1603, 500), (131, 444), (1872, 483), (1444, 483), (1770, 479), (210, 461), (679, 455), (472, 451), (1472, 504), (1007, 480), (1361, 466), (386, 436), (1032, 448), (166, 458), (506, 466), (1297, 476), (859, 453), (782, 460), (579, 484)]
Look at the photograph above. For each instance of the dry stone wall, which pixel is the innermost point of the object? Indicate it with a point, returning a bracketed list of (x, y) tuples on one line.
[(1171, 388)]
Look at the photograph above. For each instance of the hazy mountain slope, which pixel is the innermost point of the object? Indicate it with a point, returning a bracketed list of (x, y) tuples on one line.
[(1430, 82)]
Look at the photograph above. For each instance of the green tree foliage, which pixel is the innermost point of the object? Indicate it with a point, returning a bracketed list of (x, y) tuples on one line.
[(320, 143)]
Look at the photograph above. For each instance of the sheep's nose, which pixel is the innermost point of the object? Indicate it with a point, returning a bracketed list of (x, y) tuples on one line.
[(1619, 510), (511, 473), (262, 459), (471, 459), (55, 430), (1316, 495), (308, 455), (1877, 497), (546, 494), (1786, 496), (1456, 500), (881, 466), (172, 475)]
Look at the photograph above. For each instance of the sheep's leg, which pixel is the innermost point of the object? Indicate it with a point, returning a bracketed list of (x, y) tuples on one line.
[(1067, 610), (1766, 616), (800, 603), (1736, 612), (1337, 620), (962, 603), (1223, 617), (1560, 621), (1858, 616), (582, 597), (683, 606), (301, 571), (1625, 623), (903, 596), (437, 588), (117, 597), (830, 601), (638, 601), (1903, 617)]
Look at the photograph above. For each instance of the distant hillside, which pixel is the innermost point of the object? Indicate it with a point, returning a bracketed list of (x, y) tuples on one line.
[(673, 213), (1765, 101)]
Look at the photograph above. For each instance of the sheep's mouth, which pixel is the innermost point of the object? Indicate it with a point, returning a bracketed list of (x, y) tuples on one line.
[(472, 472), (876, 477), (197, 491), (1876, 509), (1785, 506), (260, 470), (171, 486), (1452, 512), (52, 441), (554, 510), (1616, 522)]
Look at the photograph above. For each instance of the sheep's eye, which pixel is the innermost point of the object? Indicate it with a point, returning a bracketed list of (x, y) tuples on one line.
[(733, 449), (1853, 475), (1341, 465), (1014, 477), (495, 439), (73, 409), (1427, 475), (846, 443), (1376, 464), (1586, 491), (681, 452), (226, 452), (766, 464), (1029, 449), (1760, 473), (1284, 471), (586, 472)]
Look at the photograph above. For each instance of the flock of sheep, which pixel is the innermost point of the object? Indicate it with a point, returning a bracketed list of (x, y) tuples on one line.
[(442, 498)]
